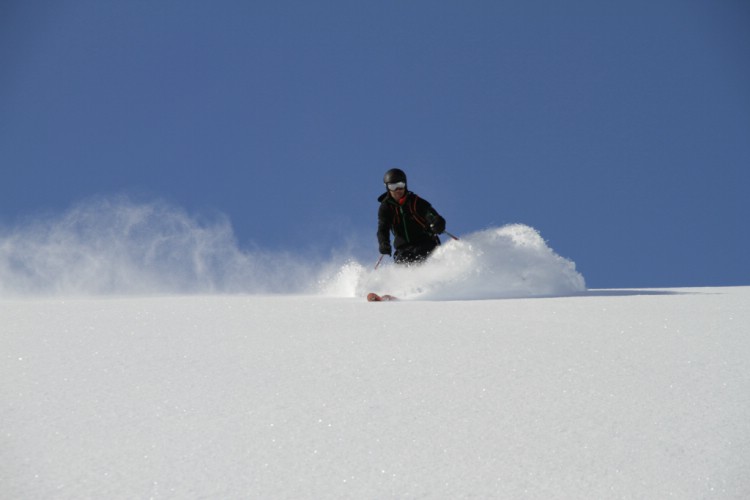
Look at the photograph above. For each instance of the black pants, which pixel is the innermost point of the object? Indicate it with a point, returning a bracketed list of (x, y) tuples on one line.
[(413, 254)]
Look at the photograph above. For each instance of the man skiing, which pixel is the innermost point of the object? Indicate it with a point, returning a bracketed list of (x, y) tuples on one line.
[(412, 220)]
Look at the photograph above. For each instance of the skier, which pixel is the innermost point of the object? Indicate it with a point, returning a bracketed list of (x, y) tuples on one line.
[(412, 220)]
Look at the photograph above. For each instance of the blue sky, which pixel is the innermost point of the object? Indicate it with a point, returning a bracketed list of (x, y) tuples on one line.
[(619, 130)]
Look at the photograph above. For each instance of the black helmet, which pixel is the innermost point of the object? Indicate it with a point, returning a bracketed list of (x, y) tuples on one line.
[(394, 175)]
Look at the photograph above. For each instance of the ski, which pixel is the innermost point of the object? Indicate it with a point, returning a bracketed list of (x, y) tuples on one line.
[(374, 297)]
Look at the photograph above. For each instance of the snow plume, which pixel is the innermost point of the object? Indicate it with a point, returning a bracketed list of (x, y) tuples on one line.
[(511, 261), (120, 247), (116, 246)]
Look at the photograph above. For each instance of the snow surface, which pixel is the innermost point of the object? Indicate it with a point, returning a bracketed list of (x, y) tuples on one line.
[(145, 355), (609, 394)]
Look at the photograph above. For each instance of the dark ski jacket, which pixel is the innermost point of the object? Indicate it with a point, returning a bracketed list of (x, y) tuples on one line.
[(414, 224)]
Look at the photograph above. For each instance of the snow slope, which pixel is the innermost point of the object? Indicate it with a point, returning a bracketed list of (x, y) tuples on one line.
[(606, 394)]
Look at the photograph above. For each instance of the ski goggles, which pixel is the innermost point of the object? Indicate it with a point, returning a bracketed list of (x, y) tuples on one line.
[(396, 185)]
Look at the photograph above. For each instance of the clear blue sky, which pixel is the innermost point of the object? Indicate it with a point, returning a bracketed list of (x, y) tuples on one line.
[(620, 130)]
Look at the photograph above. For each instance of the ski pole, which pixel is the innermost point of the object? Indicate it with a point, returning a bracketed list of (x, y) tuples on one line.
[(449, 234), (378, 262)]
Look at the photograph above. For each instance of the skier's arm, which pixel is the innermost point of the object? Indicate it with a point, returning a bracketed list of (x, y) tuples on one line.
[(384, 231), (433, 218), (437, 223)]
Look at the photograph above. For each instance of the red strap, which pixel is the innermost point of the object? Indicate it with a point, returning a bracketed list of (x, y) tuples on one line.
[(421, 221)]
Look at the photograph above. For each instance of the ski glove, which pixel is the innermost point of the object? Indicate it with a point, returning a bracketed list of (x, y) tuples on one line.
[(385, 249), (437, 224)]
